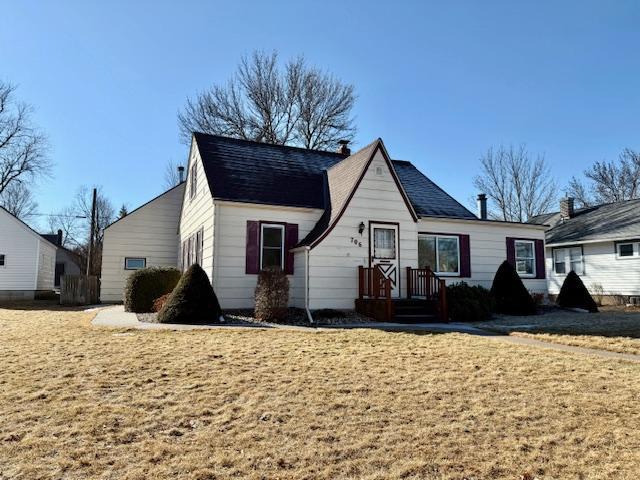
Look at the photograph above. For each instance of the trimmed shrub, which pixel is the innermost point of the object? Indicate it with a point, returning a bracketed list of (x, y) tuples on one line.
[(469, 304), (272, 295), (510, 295), (145, 285), (158, 303), (192, 301), (574, 294)]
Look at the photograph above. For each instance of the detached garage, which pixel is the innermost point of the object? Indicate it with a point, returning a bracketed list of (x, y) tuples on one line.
[(27, 261)]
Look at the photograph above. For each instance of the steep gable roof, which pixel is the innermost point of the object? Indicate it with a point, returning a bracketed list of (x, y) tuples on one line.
[(611, 221), (254, 172), (25, 226)]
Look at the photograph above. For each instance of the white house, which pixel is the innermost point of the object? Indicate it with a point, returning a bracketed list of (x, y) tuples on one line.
[(27, 260), (319, 216), (600, 243)]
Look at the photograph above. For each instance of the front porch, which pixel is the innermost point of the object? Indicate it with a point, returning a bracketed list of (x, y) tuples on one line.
[(425, 300)]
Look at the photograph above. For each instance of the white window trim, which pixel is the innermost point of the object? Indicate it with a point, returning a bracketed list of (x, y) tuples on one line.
[(566, 260), (272, 225), (437, 237), (634, 246), (135, 258), (515, 256)]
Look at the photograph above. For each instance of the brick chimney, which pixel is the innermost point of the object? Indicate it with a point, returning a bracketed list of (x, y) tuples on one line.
[(343, 147), (59, 239), (482, 206), (181, 173), (566, 208)]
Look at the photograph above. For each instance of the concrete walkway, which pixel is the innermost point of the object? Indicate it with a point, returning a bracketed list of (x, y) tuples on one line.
[(116, 317)]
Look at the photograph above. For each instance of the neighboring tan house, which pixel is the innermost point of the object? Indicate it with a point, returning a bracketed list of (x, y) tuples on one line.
[(27, 261), (67, 261), (330, 220), (601, 244)]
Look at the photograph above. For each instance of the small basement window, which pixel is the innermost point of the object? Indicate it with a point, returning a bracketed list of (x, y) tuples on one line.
[(134, 263), (271, 246), (2, 260), (625, 250)]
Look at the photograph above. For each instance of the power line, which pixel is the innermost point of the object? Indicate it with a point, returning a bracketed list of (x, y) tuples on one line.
[(53, 215)]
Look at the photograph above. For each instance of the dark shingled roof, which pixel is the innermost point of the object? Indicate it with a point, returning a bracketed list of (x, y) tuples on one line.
[(611, 221), (246, 171)]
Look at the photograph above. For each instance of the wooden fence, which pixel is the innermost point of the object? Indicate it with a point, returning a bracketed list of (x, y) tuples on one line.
[(78, 290)]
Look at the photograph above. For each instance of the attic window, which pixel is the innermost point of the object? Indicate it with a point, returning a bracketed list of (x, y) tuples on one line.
[(379, 171), (193, 185)]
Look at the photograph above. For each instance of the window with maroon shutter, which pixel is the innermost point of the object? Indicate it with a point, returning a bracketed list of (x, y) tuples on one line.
[(252, 255), (540, 263), (291, 240), (465, 256), (527, 256), (269, 244)]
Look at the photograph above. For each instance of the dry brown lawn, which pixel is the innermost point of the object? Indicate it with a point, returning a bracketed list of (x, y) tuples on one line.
[(81, 402), (613, 328)]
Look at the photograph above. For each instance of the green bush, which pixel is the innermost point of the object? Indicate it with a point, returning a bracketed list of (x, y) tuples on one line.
[(469, 304), (272, 295), (574, 294), (145, 285), (192, 301), (510, 295)]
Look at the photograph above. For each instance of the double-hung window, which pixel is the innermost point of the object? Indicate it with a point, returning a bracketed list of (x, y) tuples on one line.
[(440, 253), (271, 246), (567, 259), (525, 258)]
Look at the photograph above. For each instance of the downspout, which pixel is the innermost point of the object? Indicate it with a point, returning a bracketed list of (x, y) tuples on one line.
[(306, 285)]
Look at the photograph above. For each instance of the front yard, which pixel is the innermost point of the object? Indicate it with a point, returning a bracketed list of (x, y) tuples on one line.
[(82, 402), (613, 328)]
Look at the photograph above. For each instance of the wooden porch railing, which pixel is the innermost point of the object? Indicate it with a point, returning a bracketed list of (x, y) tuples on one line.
[(373, 284), (422, 282)]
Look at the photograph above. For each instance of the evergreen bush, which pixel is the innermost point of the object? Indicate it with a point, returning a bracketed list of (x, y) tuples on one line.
[(574, 294), (509, 293), (271, 295), (469, 303), (144, 286)]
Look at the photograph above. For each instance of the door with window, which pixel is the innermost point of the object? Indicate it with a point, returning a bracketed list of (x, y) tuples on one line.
[(384, 241)]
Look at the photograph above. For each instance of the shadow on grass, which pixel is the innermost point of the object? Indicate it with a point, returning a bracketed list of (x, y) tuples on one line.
[(49, 305), (609, 322)]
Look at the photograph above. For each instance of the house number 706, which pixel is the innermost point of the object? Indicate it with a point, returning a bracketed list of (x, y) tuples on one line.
[(355, 241)]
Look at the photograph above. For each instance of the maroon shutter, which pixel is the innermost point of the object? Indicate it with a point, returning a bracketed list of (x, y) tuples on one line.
[(465, 256), (253, 247), (540, 264), (511, 251), (291, 240)]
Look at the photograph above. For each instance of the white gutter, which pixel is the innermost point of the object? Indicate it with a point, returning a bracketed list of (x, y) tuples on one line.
[(306, 285)]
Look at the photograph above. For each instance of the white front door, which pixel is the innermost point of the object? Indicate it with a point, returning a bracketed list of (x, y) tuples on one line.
[(384, 241)]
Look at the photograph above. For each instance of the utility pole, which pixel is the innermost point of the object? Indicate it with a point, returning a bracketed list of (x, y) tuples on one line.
[(91, 231)]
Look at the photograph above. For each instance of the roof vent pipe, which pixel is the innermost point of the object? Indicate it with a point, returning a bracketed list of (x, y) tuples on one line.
[(482, 206), (343, 147), (59, 237), (181, 173)]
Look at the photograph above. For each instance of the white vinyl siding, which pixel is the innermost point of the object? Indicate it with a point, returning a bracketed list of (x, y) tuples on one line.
[(602, 267), (198, 213), (488, 246), (151, 232), (235, 288), (333, 264), (29, 260)]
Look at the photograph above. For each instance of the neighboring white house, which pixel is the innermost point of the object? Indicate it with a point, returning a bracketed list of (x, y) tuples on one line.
[(318, 216), (145, 237), (601, 244), (27, 261)]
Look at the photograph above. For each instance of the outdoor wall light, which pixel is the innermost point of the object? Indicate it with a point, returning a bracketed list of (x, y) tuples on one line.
[(361, 228)]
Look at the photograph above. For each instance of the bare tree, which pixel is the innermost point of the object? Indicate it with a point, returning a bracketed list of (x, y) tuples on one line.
[(295, 105), (608, 182), (517, 185), (18, 199), (72, 225), (171, 174), (75, 223), (23, 148)]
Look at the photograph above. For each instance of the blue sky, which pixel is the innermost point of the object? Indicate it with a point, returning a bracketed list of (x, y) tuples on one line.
[(440, 82)]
